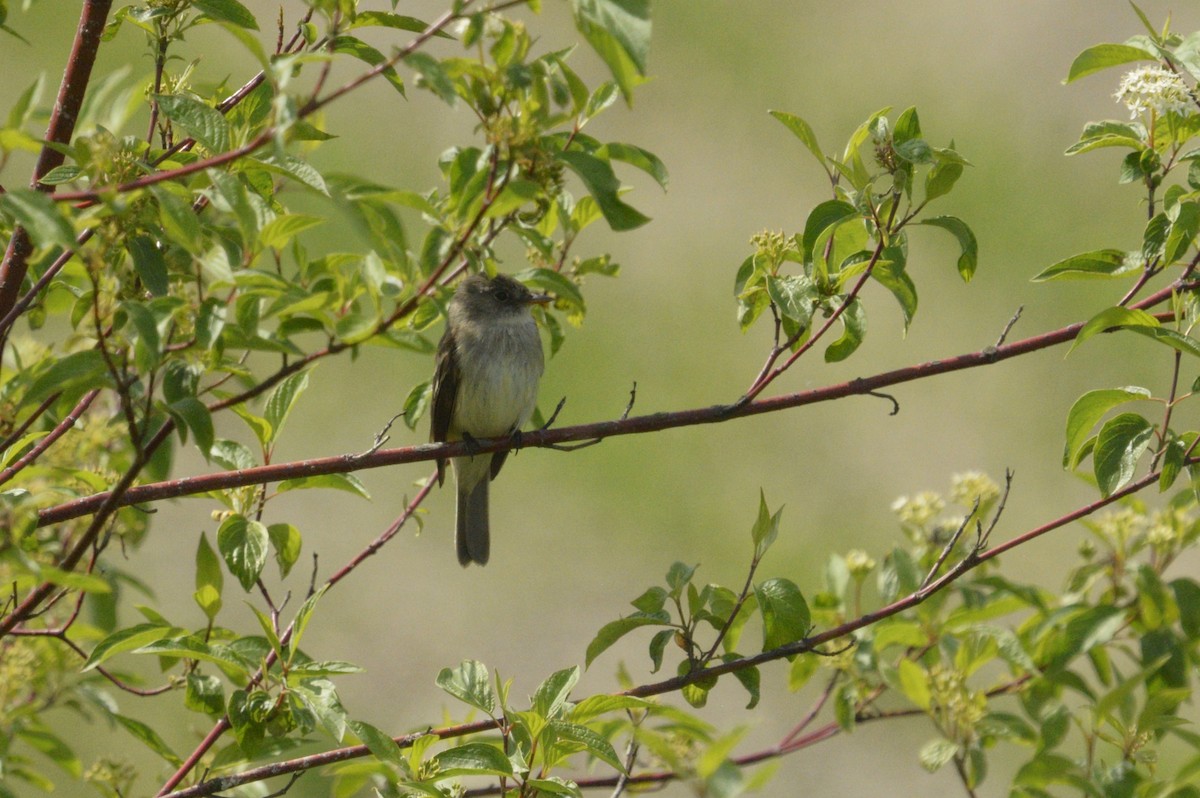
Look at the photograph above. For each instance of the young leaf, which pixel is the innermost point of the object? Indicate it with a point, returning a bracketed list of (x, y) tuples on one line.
[(472, 759), (380, 744), (1104, 263), (822, 219), (1110, 318), (1121, 441), (785, 613), (243, 543), (209, 579), (968, 258), (613, 631), (619, 32), (854, 324), (600, 181), (230, 11), (1088, 410), (766, 527), (286, 541), (199, 120), (282, 399), (1103, 56), (303, 616), (552, 694), (469, 683), (40, 217), (801, 130), (128, 640)]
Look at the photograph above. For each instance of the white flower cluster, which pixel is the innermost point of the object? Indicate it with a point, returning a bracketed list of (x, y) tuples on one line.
[(1155, 89)]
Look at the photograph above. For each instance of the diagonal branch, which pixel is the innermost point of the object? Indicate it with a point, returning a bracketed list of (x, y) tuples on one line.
[(807, 645), (551, 437), (62, 124)]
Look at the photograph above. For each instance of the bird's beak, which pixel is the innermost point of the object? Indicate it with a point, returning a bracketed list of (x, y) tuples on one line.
[(540, 299)]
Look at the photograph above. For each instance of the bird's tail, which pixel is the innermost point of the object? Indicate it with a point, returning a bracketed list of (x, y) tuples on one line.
[(471, 536)]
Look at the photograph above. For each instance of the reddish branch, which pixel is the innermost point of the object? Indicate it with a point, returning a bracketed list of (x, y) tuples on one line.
[(62, 124), (973, 559), (552, 437)]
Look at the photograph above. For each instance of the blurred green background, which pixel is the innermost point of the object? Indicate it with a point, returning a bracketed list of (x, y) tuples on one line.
[(576, 536)]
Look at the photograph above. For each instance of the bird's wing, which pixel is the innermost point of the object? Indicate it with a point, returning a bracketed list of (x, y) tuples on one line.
[(445, 393)]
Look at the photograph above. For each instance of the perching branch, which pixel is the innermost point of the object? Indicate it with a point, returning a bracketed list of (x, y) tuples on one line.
[(551, 437)]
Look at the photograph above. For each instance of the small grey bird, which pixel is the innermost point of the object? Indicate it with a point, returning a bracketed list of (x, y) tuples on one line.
[(485, 386)]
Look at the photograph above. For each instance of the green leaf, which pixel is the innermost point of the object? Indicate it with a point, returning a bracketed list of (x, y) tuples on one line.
[(243, 543), (149, 263), (596, 705), (303, 616), (968, 258), (150, 738), (914, 683), (749, 678), (395, 21), (51, 746), (619, 32), (1164, 335), (600, 181), (60, 174), (209, 579), (1103, 56), (364, 52), (1110, 318), (1103, 263), (280, 231), (766, 527), (592, 742), (200, 121), (551, 695), (76, 580), (1182, 231), (196, 417), (40, 217), (854, 324), (77, 369), (346, 482), (205, 694), (1107, 133), (1121, 441), (941, 179), (1087, 411), (433, 76), (613, 631), (937, 753), (227, 11), (635, 156), (128, 640), (417, 402), (472, 759), (891, 274), (822, 219), (469, 683), (382, 746), (282, 399), (286, 541), (784, 611), (794, 296), (801, 130)]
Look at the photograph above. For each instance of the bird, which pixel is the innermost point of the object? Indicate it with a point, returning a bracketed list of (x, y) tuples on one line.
[(489, 362)]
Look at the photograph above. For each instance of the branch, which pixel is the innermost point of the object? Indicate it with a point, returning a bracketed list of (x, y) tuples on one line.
[(62, 124), (975, 558), (552, 437)]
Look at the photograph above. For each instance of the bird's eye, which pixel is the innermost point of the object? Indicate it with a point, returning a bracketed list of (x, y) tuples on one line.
[(501, 295)]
